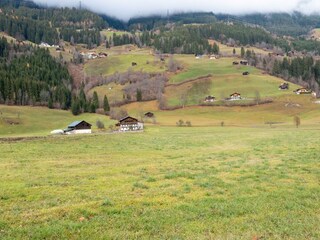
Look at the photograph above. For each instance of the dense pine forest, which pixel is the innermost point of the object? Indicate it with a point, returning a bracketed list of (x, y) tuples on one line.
[(30, 76), (49, 25)]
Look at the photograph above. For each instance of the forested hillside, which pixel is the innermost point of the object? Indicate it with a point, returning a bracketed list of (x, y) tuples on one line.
[(30, 76), (49, 25)]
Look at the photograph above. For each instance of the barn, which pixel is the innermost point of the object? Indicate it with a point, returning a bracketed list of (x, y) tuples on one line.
[(129, 124), (78, 127)]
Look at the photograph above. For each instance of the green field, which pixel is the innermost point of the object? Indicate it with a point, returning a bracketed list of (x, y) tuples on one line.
[(224, 79), (165, 183), (40, 121), (194, 68), (122, 63)]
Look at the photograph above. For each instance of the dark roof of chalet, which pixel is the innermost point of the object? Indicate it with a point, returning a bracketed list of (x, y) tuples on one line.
[(76, 123), (127, 118), (147, 113)]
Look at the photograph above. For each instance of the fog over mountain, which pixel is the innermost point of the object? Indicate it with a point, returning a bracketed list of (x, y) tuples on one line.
[(125, 9)]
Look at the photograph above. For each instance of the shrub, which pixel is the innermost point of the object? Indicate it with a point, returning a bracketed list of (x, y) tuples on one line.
[(297, 121), (180, 123), (99, 124)]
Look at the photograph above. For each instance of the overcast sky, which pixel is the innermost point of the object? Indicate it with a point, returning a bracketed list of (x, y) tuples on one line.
[(124, 9)]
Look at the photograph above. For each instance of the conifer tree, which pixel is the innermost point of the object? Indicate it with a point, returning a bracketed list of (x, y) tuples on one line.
[(106, 106)]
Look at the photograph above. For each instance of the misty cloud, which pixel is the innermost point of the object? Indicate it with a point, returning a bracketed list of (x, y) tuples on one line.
[(125, 9)]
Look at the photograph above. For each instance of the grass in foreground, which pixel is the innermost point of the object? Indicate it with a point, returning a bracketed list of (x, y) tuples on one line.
[(166, 183)]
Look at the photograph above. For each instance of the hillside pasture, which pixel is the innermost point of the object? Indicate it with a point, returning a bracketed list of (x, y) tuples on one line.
[(225, 79), (315, 34), (122, 63), (109, 33), (40, 121), (165, 183), (227, 50), (278, 113), (194, 68)]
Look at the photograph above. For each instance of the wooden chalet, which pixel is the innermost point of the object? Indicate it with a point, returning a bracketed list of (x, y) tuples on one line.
[(149, 115), (244, 62), (245, 73), (209, 99), (78, 127), (103, 55), (235, 96), (235, 63), (128, 124), (284, 86), (302, 91)]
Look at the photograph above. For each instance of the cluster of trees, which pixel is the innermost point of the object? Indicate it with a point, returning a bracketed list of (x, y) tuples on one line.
[(305, 69), (90, 37), (28, 29), (31, 76), (123, 39), (80, 103)]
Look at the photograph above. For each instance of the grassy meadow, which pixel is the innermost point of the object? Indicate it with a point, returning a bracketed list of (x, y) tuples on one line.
[(18, 121), (165, 183), (122, 63)]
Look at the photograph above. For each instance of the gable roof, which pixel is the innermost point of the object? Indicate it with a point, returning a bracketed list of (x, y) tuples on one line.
[(127, 117), (76, 123)]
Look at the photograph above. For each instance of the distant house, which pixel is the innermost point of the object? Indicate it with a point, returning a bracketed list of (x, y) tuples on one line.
[(291, 54), (244, 62), (149, 115), (44, 44), (213, 57), (59, 49), (128, 124), (284, 86), (302, 91), (209, 99), (235, 63), (245, 73), (78, 127), (235, 96), (103, 55)]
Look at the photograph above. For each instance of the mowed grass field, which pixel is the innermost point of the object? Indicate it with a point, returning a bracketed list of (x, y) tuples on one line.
[(165, 183)]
